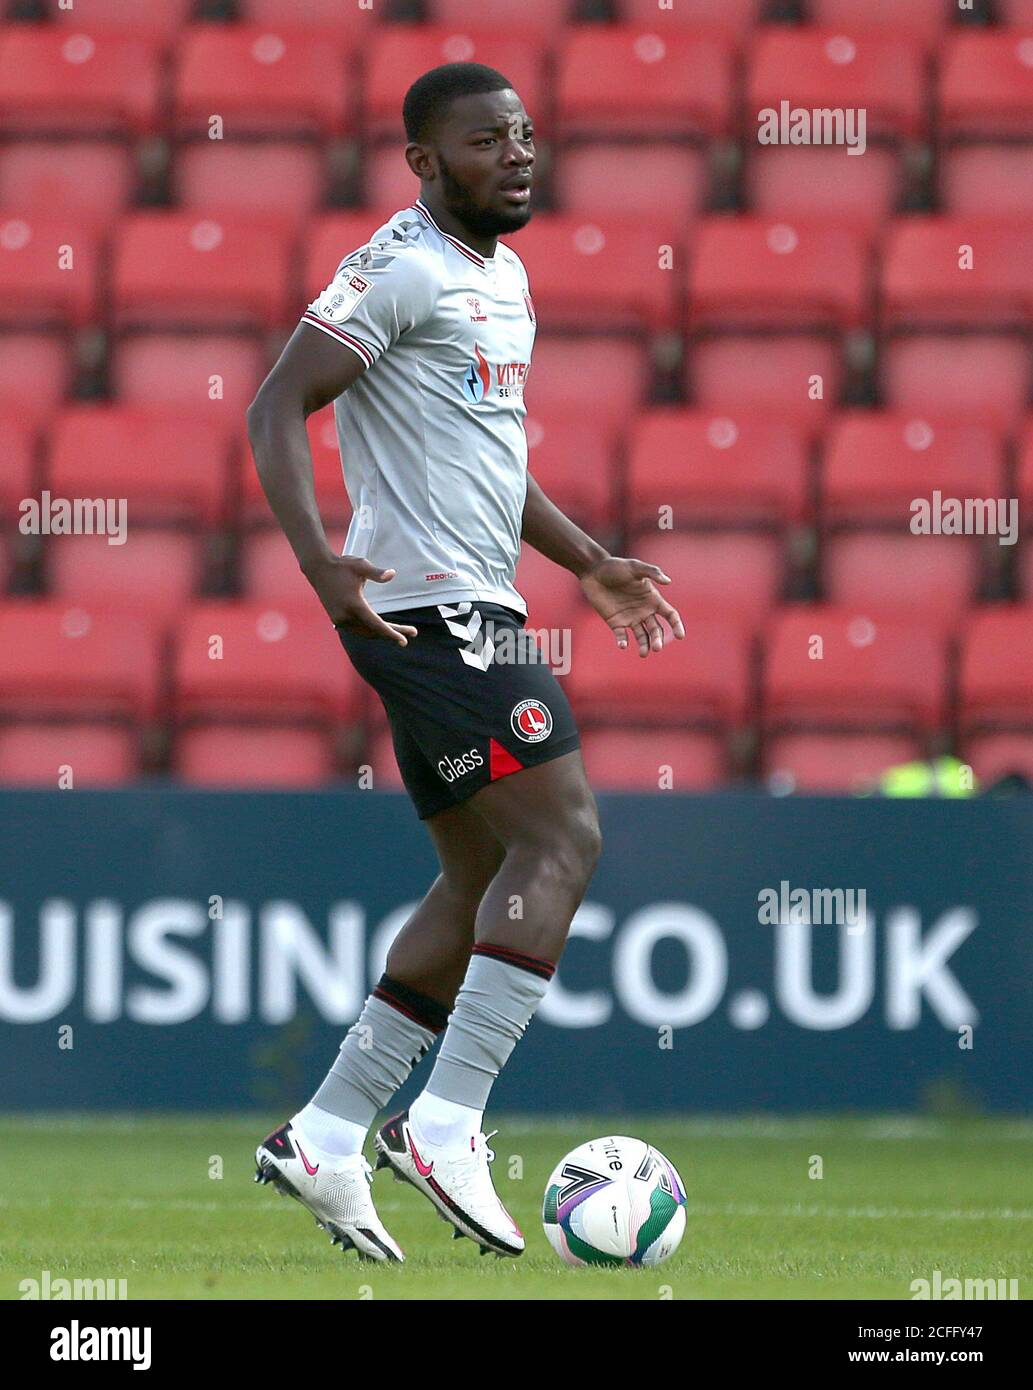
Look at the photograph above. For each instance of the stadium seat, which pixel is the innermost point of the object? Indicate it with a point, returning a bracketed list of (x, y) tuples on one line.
[(552, 594), (920, 19), (995, 684), (974, 376), (35, 371), (740, 468), (1017, 13), (269, 571), (387, 181), (88, 82), (758, 273), (860, 191), (818, 68), (354, 20), (395, 52), (774, 373), (993, 756), (49, 269), (97, 755), (732, 18), (573, 456), (615, 80), (155, 572), (188, 270), (89, 179), (19, 476), (607, 375), (334, 506), (158, 16), (169, 467), (542, 18), (61, 658), (578, 270), (830, 764), (273, 666), (656, 181), (187, 370), (926, 280), (704, 678), (1024, 498), (649, 760), (241, 755), (869, 672), (724, 571), (986, 84), (283, 81), (981, 179), (938, 576), (267, 177)]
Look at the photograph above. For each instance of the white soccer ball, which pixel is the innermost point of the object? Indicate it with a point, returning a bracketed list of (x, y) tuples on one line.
[(614, 1201)]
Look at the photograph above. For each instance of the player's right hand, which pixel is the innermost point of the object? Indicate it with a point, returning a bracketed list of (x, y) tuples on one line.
[(338, 582)]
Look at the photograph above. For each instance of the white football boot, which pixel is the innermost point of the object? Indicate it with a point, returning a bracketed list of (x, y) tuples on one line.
[(456, 1180), (335, 1190)]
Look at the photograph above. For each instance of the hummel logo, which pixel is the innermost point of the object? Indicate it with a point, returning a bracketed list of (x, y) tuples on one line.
[(424, 1169), (308, 1166)]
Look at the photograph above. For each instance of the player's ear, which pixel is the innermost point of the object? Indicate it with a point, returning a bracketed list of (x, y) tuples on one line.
[(420, 161)]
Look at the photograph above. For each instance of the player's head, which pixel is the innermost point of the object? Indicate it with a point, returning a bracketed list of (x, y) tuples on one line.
[(470, 136)]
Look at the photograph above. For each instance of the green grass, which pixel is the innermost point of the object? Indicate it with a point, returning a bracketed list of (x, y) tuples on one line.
[(131, 1197)]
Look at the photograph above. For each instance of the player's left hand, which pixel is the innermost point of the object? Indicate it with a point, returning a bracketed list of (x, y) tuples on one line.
[(622, 593)]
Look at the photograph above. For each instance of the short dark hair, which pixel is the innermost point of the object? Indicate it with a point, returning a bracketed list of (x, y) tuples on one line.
[(430, 96)]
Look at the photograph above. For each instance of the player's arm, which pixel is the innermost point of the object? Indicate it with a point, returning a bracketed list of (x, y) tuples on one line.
[(621, 591), (312, 370)]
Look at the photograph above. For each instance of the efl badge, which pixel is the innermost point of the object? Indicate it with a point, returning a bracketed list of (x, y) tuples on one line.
[(340, 299), (531, 721), (530, 308)]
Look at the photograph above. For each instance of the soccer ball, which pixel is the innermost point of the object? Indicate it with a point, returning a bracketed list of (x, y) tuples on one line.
[(614, 1201)]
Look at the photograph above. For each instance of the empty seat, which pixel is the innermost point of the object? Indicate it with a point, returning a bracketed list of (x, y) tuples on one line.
[(726, 571), (19, 474), (269, 176), (842, 668), (49, 266), (156, 571), (975, 376), (541, 17), (90, 179), (1015, 12), (269, 571), (262, 80), (354, 20), (824, 182), (163, 17), (578, 270), (755, 272), (656, 181), (607, 375), (387, 181), (572, 454), (231, 755), (88, 81), (625, 80), (35, 370), (704, 677), (834, 763), (795, 375), (938, 576), (209, 374), (819, 68), (552, 593), (739, 468), (67, 658), (982, 179), (649, 760), (995, 685), (930, 278), (733, 18), (72, 755), (190, 270), (334, 506), (986, 84), (920, 19)]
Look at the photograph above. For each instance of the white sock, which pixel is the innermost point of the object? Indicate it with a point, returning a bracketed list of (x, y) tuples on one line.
[(334, 1136), (444, 1123)]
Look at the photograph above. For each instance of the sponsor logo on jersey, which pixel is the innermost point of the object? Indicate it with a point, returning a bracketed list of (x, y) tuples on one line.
[(477, 378), (477, 314), (531, 721), (340, 299), (452, 768), (444, 574), (509, 377)]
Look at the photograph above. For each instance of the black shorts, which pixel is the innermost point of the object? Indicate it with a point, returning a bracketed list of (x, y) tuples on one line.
[(470, 699)]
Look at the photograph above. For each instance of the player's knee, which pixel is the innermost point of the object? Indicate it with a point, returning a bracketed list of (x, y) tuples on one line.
[(570, 850)]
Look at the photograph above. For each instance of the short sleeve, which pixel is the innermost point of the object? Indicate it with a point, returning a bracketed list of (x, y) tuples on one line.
[(378, 294)]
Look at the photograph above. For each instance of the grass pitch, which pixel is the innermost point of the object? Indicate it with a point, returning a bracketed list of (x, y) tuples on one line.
[(138, 1197)]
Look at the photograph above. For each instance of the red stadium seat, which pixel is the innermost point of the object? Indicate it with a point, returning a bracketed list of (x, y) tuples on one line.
[(572, 455), (156, 572), (234, 755), (354, 20), (986, 84), (656, 181), (98, 755), (158, 16), (169, 467), (830, 183), (982, 377), (273, 665), (847, 68), (87, 82), (263, 80), (704, 678), (64, 658), (49, 266), (732, 18), (993, 756), (873, 671), (758, 273), (35, 371), (552, 594), (397, 52), (977, 180), (1024, 498), (923, 283), (269, 177), (607, 375), (724, 571), (19, 474), (387, 180), (920, 19), (995, 685), (937, 576), (649, 760), (189, 270), (1018, 13), (824, 764), (207, 374), (542, 18), (617, 80), (778, 374), (334, 506), (716, 469), (269, 571), (90, 179)]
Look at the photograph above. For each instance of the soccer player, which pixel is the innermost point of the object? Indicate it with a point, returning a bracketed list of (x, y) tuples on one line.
[(423, 342)]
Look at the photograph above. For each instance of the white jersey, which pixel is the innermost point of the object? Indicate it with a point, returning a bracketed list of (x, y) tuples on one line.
[(431, 434)]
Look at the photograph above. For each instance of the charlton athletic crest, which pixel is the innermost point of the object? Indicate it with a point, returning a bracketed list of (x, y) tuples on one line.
[(531, 721)]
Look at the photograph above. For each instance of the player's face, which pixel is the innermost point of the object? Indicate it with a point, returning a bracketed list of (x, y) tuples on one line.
[(485, 157)]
